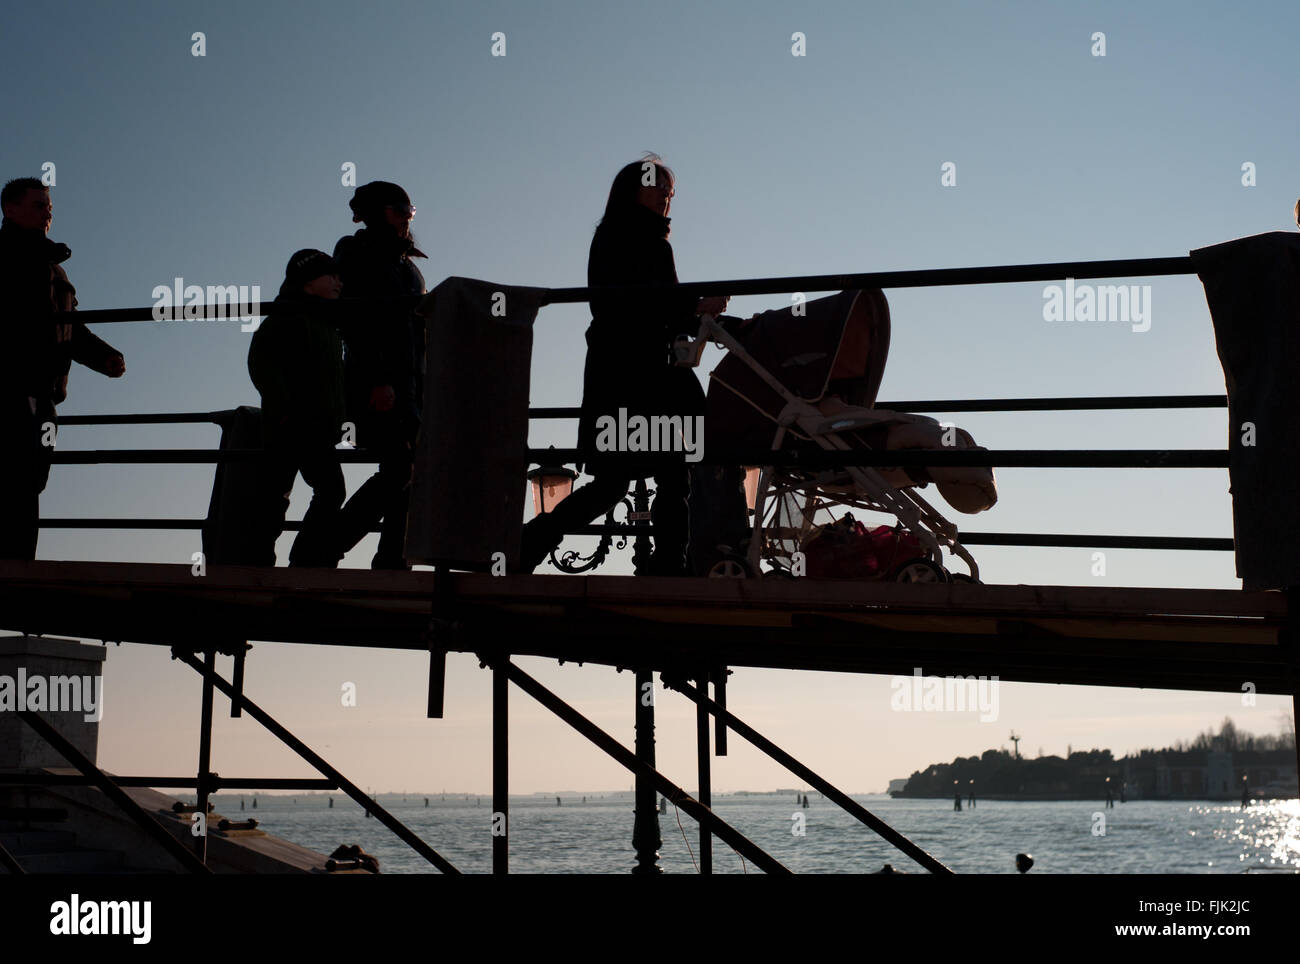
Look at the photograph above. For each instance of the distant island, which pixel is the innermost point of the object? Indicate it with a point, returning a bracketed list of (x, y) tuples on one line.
[(1215, 766)]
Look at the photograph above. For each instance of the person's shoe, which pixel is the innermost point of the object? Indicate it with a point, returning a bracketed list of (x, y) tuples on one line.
[(383, 562)]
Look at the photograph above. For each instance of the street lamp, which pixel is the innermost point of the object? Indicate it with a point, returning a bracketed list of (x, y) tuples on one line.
[(551, 484)]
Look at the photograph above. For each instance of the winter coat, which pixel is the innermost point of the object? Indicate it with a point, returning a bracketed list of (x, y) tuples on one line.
[(385, 346), (629, 341), (36, 299), (296, 362)]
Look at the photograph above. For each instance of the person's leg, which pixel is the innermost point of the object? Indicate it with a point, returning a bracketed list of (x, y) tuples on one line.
[(22, 478), (395, 478), (19, 511), (316, 542), (278, 472), (366, 507), (543, 533), (669, 514)]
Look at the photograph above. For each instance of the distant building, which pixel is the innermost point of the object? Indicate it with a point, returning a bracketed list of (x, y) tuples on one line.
[(896, 786), (1213, 774)]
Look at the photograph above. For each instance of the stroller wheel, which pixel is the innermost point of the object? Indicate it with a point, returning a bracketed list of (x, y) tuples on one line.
[(730, 567), (920, 570)]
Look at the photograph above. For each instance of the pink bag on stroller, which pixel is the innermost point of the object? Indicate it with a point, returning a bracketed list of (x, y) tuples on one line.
[(849, 550)]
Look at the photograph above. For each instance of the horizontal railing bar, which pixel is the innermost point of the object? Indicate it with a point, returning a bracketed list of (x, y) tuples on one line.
[(930, 277), (1052, 539), (927, 405), (179, 524), (1005, 458), (926, 278), (1059, 540), (1057, 404), (789, 458), (184, 456), (216, 783), (157, 418)]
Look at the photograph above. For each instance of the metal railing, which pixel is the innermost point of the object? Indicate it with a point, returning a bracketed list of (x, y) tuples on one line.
[(504, 671)]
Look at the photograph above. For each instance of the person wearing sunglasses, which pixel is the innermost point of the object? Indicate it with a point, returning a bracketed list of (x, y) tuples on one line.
[(630, 367), (384, 364)]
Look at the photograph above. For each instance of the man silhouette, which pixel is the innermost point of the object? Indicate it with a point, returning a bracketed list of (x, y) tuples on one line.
[(41, 342)]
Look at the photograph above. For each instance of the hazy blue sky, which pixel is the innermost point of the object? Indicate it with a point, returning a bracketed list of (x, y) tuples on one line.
[(216, 168)]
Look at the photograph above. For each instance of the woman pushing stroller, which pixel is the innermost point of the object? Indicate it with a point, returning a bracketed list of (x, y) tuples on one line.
[(630, 367)]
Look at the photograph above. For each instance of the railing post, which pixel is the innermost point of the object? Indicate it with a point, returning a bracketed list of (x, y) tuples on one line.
[(641, 517), (705, 789), (645, 827), (500, 767)]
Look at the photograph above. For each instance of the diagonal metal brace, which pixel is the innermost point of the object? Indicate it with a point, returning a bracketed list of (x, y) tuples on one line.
[(720, 828), (683, 686), (115, 793), (308, 754)]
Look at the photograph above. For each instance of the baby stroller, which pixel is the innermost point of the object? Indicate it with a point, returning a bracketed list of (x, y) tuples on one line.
[(807, 376)]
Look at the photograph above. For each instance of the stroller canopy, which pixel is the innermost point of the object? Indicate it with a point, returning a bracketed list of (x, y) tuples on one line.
[(835, 345)]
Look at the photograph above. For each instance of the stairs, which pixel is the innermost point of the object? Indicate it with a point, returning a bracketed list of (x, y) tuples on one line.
[(45, 851)]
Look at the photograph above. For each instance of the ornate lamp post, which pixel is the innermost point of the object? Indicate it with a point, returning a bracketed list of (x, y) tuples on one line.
[(552, 483)]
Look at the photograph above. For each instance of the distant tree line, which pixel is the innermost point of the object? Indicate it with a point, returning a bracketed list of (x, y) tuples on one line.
[(1081, 774)]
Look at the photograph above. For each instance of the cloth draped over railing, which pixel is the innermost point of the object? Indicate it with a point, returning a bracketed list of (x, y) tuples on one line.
[(467, 491), (1252, 286)]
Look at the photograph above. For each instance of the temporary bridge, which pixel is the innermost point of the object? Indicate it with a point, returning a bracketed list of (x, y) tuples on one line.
[(690, 631)]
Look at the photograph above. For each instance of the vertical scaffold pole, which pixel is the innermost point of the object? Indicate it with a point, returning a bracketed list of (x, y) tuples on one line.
[(645, 827), (500, 768), (205, 755), (706, 779)]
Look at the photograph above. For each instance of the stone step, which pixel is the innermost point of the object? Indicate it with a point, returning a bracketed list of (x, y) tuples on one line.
[(37, 841), (72, 862)]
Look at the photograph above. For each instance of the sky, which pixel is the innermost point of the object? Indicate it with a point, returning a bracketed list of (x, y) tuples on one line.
[(216, 168)]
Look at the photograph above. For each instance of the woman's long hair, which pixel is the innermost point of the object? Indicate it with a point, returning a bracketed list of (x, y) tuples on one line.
[(628, 182)]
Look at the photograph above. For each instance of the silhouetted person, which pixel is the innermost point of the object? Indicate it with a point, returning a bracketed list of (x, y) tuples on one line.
[(1024, 862), (629, 366), (41, 340), (296, 362), (331, 800), (956, 799), (384, 365), (1245, 794)]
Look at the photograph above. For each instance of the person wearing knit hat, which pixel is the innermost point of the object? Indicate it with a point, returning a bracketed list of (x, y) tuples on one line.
[(296, 362), (384, 364)]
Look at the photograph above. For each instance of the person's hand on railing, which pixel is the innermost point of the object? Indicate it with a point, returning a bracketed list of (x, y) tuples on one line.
[(715, 305), (115, 367), (383, 398)]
